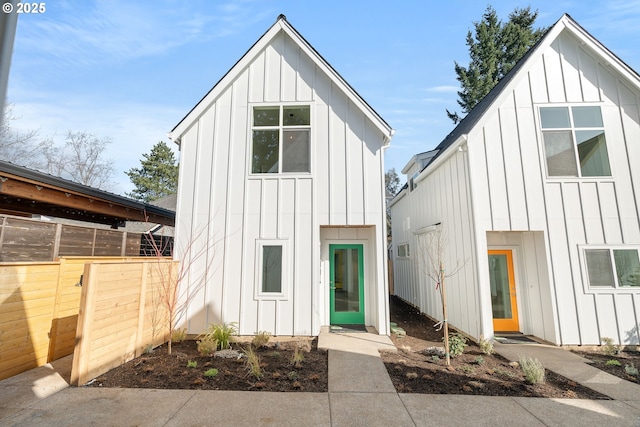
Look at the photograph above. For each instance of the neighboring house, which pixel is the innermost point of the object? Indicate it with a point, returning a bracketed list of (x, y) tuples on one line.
[(281, 213), (538, 192)]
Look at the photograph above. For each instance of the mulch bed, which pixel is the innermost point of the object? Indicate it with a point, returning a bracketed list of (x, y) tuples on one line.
[(625, 359)]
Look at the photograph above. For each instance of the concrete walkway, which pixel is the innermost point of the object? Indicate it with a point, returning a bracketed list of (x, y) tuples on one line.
[(360, 394)]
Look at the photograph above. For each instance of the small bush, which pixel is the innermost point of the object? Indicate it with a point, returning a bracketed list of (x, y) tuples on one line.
[(613, 362), (192, 364), (479, 360), (485, 346), (533, 370), (207, 346), (608, 347), (457, 344), (631, 370), (261, 339), (293, 375), (179, 335), (210, 373), (223, 334), (298, 356), (253, 363)]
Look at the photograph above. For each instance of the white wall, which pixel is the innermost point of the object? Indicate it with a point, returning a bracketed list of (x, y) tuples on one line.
[(235, 209)]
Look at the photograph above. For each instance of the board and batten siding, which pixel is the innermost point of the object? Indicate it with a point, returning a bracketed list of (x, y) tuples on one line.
[(224, 210), (512, 193)]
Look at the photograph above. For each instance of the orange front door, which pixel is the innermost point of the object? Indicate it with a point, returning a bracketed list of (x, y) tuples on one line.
[(503, 291)]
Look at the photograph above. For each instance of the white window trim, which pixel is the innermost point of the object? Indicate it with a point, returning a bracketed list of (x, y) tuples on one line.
[(588, 289), (543, 157), (408, 251), (259, 295), (256, 175)]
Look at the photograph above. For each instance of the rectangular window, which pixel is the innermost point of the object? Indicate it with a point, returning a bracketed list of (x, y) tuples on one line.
[(403, 251), (281, 139), (574, 141), (272, 269), (613, 268)]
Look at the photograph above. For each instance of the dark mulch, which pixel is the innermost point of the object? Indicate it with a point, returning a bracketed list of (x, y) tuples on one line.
[(626, 359), (472, 373), (160, 370)]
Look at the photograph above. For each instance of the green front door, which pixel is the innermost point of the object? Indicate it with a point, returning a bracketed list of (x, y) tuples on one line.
[(346, 285)]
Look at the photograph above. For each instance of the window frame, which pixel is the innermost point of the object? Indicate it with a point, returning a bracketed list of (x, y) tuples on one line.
[(572, 130), (615, 288), (281, 128), (259, 294), (407, 247)]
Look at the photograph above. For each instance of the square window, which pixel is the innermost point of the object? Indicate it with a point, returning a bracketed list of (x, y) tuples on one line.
[(272, 269), (285, 147), (574, 136)]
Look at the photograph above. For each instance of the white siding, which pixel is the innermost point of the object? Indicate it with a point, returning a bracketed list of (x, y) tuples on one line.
[(234, 209)]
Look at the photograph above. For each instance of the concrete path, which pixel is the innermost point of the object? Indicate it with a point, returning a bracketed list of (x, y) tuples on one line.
[(360, 394)]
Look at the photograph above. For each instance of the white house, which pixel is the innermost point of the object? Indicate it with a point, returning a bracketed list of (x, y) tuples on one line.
[(281, 190), (538, 190)]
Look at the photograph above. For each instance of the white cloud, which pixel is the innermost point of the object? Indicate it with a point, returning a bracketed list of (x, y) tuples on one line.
[(443, 89)]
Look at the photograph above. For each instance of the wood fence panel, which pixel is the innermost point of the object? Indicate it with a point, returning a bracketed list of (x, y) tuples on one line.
[(27, 298), (27, 241), (108, 243), (76, 241), (116, 319)]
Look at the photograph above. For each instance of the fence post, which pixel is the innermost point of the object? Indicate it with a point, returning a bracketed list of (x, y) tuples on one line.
[(83, 331)]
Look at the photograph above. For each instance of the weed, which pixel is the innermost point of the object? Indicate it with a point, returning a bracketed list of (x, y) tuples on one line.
[(261, 339), (613, 362), (468, 369), (608, 346), (479, 360), (293, 375), (179, 335), (207, 346), (148, 349), (631, 370), (210, 373), (223, 334), (533, 370), (192, 364), (504, 372), (253, 363), (298, 356), (457, 343), (485, 346)]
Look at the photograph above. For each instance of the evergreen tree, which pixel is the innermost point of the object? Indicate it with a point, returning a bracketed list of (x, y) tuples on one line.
[(158, 175), (494, 48)]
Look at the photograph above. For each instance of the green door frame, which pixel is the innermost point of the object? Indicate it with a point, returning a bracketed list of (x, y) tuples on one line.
[(346, 317)]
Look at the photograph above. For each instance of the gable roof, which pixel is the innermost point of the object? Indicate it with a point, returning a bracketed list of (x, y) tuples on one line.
[(281, 25), (564, 23)]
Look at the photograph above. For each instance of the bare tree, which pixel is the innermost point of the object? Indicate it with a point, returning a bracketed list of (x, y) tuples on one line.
[(80, 160), (16, 147), (431, 252)]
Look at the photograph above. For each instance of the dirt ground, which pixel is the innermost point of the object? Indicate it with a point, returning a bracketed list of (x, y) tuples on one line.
[(472, 373), (626, 362), (410, 369)]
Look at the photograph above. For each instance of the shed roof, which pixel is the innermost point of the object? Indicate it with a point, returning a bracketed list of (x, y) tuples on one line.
[(281, 25), (26, 191)]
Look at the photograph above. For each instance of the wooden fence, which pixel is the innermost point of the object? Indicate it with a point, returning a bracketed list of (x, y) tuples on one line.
[(121, 314), (40, 302)]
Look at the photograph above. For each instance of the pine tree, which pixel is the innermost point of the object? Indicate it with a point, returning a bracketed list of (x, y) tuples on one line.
[(158, 175), (494, 48)]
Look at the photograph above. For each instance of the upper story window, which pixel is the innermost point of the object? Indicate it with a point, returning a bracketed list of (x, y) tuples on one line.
[(574, 142), (281, 139)]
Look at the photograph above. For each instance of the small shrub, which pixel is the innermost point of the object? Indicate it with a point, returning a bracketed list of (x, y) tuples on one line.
[(223, 334), (613, 362), (479, 360), (457, 343), (261, 339), (485, 346), (631, 370), (533, 370), (210, 373), (192, 364), (253, 363), (207, 346), (608, 346), (298, 356), (293, 375), (179, 335)]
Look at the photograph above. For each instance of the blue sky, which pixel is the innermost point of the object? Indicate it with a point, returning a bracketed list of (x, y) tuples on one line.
[(130, 70)]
